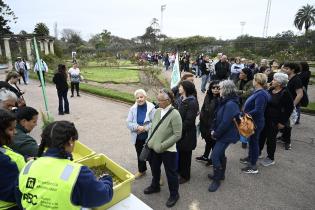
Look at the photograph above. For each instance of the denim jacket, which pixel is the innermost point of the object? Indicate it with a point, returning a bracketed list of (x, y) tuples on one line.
[(132, 120)]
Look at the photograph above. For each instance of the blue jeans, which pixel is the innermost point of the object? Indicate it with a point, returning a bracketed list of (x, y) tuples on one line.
[(253, 151), (218, 153), (198, 72), (204, 81), (298, 110), (26, 75)]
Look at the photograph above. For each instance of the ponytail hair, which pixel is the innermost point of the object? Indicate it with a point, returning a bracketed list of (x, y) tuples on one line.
[(57, 135)]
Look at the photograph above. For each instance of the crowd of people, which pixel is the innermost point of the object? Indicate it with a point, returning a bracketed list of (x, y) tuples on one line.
[(271, 94)]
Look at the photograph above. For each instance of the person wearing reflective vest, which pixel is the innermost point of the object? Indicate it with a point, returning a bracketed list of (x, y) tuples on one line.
[(10, 162), (53, 181)]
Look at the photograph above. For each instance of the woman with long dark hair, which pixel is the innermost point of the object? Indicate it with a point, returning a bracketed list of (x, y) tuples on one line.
[(11, 163), (207, 114), (60, 79), (188, 109)]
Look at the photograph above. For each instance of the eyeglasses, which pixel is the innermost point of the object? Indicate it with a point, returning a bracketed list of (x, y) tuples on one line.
[(216, 87)]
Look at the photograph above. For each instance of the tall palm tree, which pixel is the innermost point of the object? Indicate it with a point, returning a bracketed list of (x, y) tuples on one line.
[(305, 17)]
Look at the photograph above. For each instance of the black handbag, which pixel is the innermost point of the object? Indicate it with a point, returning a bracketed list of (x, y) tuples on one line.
[(146, 151)]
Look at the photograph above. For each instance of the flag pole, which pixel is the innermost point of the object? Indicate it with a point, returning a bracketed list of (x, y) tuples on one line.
[(43, 85)]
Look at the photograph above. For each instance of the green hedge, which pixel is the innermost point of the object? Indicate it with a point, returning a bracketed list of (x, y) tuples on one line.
[(108, 93)]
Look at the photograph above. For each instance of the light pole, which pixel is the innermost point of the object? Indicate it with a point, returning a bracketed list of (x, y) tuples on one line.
[(163, 7), (243, 23)]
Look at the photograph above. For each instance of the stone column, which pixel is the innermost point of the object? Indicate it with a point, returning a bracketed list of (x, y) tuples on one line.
[(41, 46), (8, 52), (28, 50), (0, 50), (46, 46), (52, 50)]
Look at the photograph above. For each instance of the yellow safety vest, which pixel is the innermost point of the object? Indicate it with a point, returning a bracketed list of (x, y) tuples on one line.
[(47, 183), (20, 162)]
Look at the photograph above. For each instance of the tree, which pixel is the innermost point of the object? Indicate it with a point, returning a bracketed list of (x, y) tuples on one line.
[(305, 17), (101, 41), (6, 16), (67, 33), (23, 32), (41, 29)]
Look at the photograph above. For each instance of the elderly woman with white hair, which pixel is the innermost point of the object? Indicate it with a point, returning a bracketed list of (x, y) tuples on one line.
[(8, 99), (224, 131), (139, 122), (277, 115)]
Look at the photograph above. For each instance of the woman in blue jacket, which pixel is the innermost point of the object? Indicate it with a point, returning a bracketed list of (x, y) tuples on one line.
[(76, 184), (255, 106), (224, 131)]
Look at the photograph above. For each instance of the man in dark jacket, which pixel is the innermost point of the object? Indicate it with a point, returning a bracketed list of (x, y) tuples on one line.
[(23, 143), (222, 69)]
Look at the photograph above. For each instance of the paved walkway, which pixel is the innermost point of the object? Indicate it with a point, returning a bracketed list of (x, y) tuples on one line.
[(290, 184)]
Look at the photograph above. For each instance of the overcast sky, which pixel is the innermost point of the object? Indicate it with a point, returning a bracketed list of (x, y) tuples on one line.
[(182, 18)]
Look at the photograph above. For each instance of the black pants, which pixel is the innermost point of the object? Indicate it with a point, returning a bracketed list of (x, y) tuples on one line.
[(184, 164), (142, 166), (286, 134), (63, 101), (269, 136), (169, 161), (76, 85), (209, 146), (43, 76)]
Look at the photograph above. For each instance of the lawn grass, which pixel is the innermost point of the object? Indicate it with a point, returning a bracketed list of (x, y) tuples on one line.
[(100, 91), (122, 63), (309, 109), (110, 75)]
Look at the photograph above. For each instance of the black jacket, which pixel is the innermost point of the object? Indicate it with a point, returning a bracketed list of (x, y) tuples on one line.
[(222, 70), (280, 107), (60, 81), (203, 68), (207, 114), (188, 110)]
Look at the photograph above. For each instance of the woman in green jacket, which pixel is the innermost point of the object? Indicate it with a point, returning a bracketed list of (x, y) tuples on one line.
[(163, 146)]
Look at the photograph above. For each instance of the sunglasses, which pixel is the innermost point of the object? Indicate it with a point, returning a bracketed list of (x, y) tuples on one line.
[(216, 87)]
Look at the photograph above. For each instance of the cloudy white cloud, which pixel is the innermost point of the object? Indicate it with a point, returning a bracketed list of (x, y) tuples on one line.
[(128, 19)]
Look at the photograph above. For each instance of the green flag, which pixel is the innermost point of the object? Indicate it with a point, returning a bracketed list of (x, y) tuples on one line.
[(175, 79)]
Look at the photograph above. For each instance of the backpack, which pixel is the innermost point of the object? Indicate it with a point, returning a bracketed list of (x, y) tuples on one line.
[(304, 100), (245, 125)]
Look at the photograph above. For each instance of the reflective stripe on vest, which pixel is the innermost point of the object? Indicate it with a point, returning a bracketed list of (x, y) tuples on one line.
[(47, 183), (19, 161)]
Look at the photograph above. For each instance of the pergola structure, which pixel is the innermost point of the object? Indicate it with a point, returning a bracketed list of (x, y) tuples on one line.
[(46, 45)]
